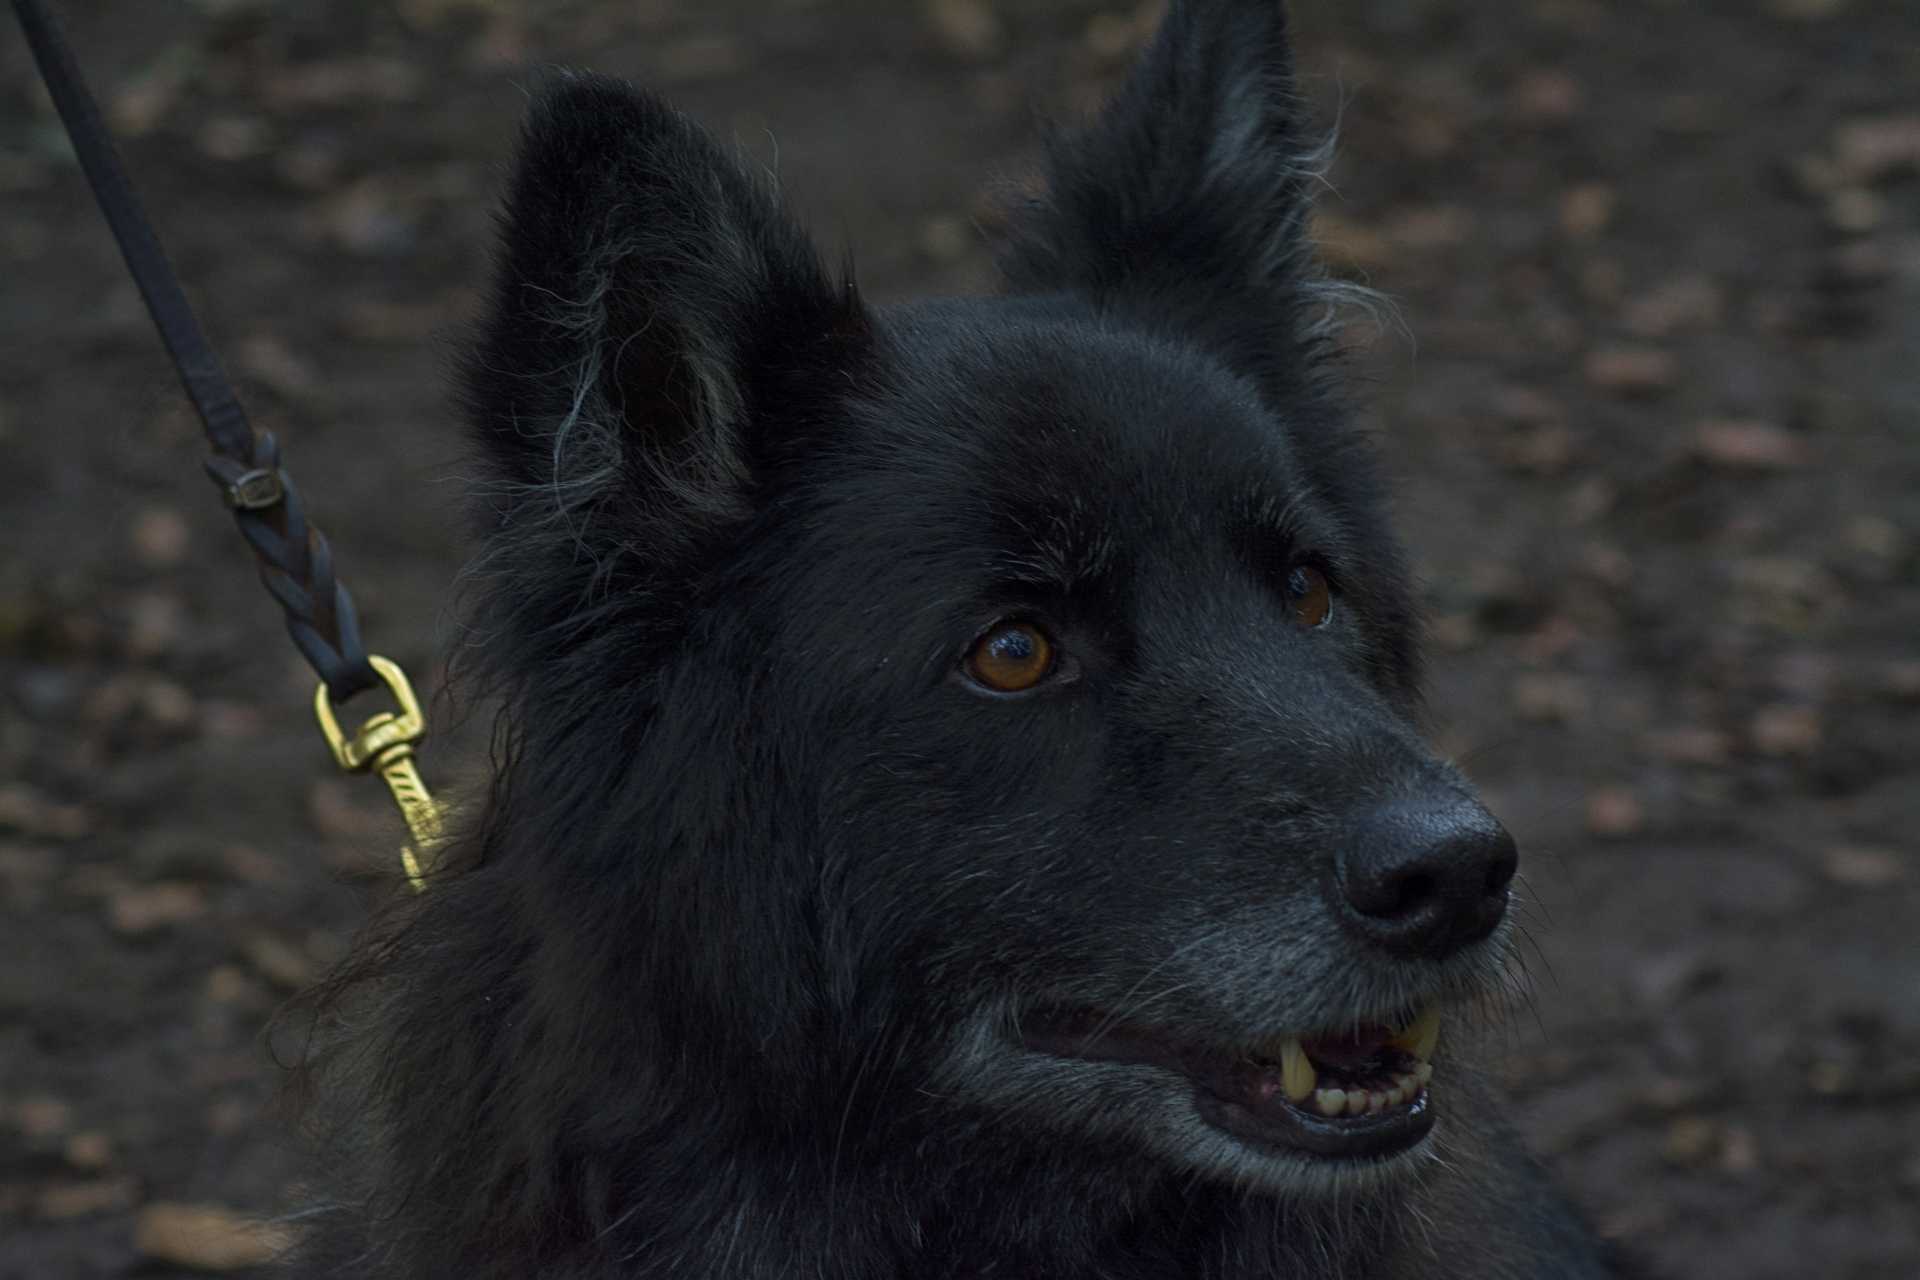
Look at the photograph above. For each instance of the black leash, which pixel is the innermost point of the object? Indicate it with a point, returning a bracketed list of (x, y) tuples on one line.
[(296, 563)]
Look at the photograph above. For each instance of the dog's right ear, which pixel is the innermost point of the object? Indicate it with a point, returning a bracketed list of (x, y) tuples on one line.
[(1186, 200), (654, 306)]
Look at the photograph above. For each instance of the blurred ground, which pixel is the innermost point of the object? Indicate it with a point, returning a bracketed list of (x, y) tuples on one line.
[(1660, 440)]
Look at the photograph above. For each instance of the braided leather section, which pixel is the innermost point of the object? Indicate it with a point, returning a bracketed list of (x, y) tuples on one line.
[(296, 565)]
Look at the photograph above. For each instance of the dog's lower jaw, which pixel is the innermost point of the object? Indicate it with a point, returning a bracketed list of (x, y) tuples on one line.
[(1153, 1118), (1196, 1134)]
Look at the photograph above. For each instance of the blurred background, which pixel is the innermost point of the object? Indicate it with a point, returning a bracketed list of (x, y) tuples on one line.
[(1655, 410)]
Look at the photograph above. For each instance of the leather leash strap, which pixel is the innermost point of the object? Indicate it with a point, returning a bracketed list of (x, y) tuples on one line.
[(296, 564)]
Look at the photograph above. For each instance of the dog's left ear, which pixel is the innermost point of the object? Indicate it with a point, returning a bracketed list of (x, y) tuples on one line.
[(1187, 199)]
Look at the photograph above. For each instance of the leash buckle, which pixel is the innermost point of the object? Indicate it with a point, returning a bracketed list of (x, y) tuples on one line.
[(384, 745), (255, 490)]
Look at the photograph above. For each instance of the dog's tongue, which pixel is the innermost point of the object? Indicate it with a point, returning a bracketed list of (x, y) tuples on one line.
[(1349, 1050)]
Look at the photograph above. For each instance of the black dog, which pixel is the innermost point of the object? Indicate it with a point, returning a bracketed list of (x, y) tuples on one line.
[(960, 809)]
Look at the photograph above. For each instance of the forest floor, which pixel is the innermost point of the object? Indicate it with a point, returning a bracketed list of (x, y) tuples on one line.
[(1655, 411)]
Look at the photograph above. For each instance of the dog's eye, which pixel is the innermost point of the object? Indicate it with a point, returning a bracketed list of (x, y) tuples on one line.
[(1011, 658), (1310, 596)]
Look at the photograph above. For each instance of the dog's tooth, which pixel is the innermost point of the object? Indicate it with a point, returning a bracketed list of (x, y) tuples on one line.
[(1297, 1075), (1405, 1082), (1356, 1101), (1421, 1036), (1376, 1102), (1423, 1072), (1330, 1102), (1396, 1095)]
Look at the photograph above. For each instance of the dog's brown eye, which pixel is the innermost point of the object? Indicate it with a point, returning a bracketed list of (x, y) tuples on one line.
[(1310, 596), (1011, 658)]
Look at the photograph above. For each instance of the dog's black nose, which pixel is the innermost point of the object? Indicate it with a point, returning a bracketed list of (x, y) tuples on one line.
[(1426, 878)]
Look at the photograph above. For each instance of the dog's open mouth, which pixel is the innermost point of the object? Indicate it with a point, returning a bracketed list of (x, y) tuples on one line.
[(1357, 1093)]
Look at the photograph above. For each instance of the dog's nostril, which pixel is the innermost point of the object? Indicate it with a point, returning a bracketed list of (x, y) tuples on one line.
[(1426, 878), (1411, 892)]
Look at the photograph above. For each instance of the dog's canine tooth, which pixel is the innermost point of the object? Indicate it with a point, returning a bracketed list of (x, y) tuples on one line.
[(1297, 1076), (1421, 1036)]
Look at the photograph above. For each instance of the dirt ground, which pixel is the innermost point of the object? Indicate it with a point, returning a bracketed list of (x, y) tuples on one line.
[(1655, 408)]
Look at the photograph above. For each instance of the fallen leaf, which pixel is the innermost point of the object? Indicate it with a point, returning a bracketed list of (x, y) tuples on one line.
[(1690, 302), (1553, 639), (1690, 745), (1608, 565), (1544, 450), (272, 362), (25, 810), (1546, 97), (279, 961), (233, 138), (1862, 867), (1547, 698), (1876, 147), (1786, 731), (1586, 209), (167, 704), (226, 984), (969, 28), (42, 1116), (1631, 371), (1691, 1141), (1615, 813), (1901, 680), (1673, 1093), (1855, 211), (1346, 244), (90, 1150), (1526, 406), (1739, 1152), (367, 218), (160, 536), (144, 908), (1426, 229), (1748, 445), (206, 1237), (156, 621), (1454, 632)]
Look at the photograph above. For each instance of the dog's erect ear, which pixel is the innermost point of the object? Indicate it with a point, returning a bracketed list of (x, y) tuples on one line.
[(1187, 199), (653, 302)]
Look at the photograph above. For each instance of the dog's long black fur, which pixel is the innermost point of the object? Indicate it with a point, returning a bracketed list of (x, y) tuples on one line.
[(728, 974)]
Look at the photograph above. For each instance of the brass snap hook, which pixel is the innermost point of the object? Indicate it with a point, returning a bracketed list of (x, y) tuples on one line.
[(384, 745)]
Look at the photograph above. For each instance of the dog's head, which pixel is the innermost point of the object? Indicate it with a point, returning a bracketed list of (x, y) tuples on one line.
[(1021, 691)]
